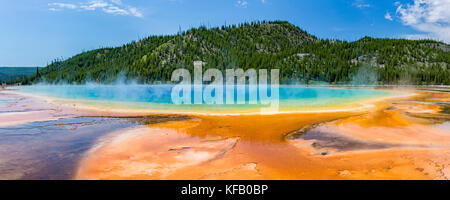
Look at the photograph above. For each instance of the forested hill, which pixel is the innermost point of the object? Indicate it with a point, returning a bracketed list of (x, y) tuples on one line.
[(301, 57)]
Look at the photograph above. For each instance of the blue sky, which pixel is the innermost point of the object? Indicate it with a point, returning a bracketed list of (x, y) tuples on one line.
[(34, 32)]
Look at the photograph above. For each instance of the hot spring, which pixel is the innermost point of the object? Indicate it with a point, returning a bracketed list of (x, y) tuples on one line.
[(158, 98)]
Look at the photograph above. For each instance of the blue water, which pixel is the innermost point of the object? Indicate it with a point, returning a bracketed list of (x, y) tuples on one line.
[(159, 96)]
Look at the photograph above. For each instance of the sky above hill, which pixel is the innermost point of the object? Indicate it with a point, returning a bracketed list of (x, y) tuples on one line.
[(34, 32)]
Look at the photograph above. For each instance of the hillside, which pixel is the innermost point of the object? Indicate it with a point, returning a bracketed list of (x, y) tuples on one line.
[(10, 73), (301, 57)]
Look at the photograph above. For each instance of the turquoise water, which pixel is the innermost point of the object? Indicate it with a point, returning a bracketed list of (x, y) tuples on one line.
[(159, 97)]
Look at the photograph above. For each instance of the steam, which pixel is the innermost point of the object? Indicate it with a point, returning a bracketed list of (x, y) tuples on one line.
[(365, 76), (121, 89)]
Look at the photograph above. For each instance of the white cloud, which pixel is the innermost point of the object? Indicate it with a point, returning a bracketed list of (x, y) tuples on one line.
[(431, 17), (361, 4), (135, 12), (62, 5), (92, 5), (388, 16), (118, 2), (114, 7), (242, 4), (115, 10)]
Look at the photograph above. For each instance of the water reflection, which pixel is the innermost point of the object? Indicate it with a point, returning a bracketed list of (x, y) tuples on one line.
[(51, 149)]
